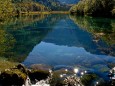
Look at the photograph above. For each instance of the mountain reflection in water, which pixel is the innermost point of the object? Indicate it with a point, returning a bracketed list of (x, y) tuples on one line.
[(59, 39)]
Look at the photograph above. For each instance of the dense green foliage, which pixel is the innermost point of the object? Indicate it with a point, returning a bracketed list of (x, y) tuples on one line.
[(19, 6), (28, 6), (6, 7), (94, 8), (11, 7)]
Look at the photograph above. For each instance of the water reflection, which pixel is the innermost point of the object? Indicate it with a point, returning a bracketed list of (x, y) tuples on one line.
[(102, 29), (71, 44), (18, 36), (60, 41), (7, 42), (66, 40)]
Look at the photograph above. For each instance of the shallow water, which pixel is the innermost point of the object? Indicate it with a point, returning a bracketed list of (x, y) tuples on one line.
[(60, 41)]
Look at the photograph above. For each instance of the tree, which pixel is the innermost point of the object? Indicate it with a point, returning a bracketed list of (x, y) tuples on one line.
[(6, 7), (94, 7)]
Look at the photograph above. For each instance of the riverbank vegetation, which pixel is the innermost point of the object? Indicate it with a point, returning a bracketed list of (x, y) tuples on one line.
[(94, 8), (105, 8), (15, 7)]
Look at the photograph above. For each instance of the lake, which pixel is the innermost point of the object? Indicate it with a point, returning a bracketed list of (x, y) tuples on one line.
[(60, 41)]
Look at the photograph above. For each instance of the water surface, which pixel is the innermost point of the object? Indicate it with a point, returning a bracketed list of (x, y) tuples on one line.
[(60, 41)]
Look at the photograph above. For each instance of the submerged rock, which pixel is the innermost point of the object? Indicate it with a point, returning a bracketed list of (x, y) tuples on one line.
[(88, 79), (111, 65), (40, 67)]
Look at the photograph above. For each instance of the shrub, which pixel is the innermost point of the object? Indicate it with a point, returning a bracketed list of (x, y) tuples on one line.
[(78, 9)]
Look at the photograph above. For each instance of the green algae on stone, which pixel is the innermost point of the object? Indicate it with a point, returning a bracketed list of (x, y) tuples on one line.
[(57, 79), (88, 78)]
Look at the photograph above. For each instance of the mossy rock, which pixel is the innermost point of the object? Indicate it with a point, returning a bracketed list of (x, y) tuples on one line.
[(22, 68), (12, 77), (57, 80), (38, 75), (88, 79)]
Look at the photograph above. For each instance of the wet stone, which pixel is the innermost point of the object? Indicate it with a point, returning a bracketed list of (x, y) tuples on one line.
[(37, 75), (40, 67)]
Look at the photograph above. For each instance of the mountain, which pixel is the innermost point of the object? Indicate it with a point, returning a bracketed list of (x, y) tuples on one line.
[(54, 5), (69, 1)]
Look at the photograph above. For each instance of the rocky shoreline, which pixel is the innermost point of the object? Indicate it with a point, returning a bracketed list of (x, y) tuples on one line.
[(19, 75), (39, 74)]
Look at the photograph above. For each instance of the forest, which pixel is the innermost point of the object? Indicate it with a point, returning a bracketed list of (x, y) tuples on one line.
[(83, 7), (103, 8), (15, 7), (9, 7)]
